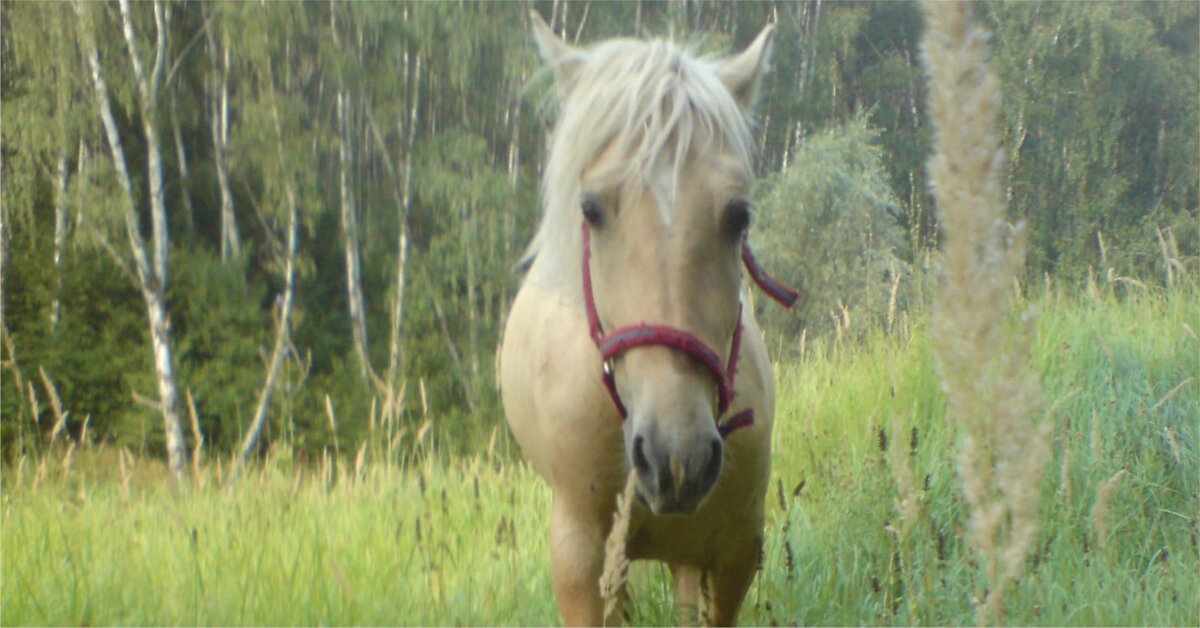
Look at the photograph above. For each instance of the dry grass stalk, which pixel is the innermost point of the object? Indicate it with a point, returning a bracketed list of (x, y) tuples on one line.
[(394, 444), (422, 431), (11, 365), (359, 460), (34, 407), (1092, 290), (616, 563), (20, 471), (1171, 393), (329, 414), (1100, 508), (68, 458), (197, 436), (491, 446), (891, 306), (1174, 444), (83, 431), (60, 417), (124, 463), (1170, 255), (327, 468), (907, 498), (371, 418), (991, 394), (41, 472)]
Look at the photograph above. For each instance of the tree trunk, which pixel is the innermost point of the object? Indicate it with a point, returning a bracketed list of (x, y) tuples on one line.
[(219, 127), (60, 232), (3, 245), (151, 285), (400, 192), (282, 332), (147, 89), (469, 245), (358, 324), (189, 214), (61, 171)]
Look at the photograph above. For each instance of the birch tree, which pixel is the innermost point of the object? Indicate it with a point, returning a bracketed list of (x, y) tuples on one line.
[(151, 271), (61, 169), (284, 169), (349, 215), (218, 106)]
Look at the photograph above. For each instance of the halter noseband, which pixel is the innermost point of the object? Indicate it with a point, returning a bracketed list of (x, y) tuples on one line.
[(645, 334)]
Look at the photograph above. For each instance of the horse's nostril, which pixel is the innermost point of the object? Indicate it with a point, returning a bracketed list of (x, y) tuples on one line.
[(639, 456), (713, 468)]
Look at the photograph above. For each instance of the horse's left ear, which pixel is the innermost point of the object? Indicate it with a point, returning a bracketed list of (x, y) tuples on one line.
[(741, 74)]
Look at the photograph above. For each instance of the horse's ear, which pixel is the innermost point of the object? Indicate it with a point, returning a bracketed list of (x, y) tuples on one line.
[(556, 53), (741, 74)]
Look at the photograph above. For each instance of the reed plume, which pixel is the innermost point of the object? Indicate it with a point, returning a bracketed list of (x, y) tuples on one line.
[(991, 395), (616, 562), (1100, 507)]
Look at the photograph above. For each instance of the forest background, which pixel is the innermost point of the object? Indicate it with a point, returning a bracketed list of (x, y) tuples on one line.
[(306, 216)]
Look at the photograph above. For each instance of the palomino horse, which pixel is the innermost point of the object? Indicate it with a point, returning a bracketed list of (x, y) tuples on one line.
[(643, 230)]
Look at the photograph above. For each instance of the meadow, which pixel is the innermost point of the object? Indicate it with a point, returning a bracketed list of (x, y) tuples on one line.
[(412, 535)]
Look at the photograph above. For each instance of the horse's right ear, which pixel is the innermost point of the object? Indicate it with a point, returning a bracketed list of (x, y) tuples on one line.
[(556, 53), (741, 74)]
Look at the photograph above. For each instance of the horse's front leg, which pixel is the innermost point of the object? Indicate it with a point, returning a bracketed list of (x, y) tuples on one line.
[(576, 562), (730, 579), (687, 594)]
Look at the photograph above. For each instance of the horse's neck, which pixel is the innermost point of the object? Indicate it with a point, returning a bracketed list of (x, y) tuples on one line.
[(564, 286)]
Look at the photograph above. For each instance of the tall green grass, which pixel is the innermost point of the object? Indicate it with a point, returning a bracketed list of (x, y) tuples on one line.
[(438, 540)]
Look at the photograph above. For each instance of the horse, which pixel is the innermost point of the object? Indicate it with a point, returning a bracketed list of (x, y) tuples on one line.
[(645, 214)]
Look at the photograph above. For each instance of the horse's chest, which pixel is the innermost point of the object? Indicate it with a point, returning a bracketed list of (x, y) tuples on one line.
[(698, 539)]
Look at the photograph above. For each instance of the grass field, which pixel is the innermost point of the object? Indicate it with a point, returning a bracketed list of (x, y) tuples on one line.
[(95, 538)]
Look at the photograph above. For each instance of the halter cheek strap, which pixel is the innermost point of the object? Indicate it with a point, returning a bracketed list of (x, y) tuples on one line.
[(644, 334)]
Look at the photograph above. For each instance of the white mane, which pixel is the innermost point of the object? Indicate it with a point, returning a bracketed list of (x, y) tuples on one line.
[(654, 101)]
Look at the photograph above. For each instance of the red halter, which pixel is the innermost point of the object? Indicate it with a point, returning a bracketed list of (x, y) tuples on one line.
[(644, 334)]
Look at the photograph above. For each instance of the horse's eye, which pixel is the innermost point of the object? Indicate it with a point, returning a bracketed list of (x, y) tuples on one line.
[(592, 211), (737, 217)]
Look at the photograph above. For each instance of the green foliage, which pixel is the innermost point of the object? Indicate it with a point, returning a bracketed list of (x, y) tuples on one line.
[(827, 223), (1102, 130), (335, 544), (446, 144), (220, 340), (93, 356)]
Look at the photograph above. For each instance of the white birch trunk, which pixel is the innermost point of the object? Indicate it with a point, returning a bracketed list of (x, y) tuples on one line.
[(283, 325), (151, 285), (189, 214), (60, 232), (219, 127), (3, 247), (147, 88), (358, 325), (468, 241), (282, 332), (397, 309), (404, 205)]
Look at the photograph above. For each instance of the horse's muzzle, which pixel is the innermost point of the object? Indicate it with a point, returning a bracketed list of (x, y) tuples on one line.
[(675, 477)]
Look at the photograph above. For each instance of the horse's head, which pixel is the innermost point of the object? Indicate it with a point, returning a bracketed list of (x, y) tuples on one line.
[(652, 155)]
